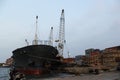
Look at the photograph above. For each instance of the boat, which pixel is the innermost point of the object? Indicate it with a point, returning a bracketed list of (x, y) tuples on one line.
[(36, 59)]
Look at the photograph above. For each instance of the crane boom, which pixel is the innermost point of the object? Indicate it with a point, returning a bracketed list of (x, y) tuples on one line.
[(61, 40), (51, 37), (35, 41)]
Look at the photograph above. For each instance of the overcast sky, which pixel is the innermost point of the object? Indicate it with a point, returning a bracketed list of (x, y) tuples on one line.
[(88, 23)]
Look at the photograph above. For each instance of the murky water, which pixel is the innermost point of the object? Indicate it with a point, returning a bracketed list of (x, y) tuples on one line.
[(4, 73)]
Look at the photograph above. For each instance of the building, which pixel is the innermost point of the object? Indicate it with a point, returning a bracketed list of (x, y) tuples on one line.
[(111, 56), (81, 60), (93, 56), (9, 62), (68, 60)]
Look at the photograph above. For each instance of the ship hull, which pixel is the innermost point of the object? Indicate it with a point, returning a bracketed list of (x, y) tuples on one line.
[(36, 59)]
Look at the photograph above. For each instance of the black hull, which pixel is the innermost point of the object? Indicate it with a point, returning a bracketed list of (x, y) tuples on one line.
[(36, 57)]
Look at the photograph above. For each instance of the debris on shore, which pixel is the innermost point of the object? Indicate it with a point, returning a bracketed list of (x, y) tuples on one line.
[(76, 70)]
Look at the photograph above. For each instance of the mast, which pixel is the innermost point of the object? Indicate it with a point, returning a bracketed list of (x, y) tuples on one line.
[(35, 41)]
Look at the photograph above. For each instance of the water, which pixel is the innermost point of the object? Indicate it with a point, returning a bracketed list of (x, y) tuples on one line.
[(4, 73)]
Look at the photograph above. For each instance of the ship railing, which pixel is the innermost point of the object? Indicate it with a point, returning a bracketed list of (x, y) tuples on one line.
[(44, 42)]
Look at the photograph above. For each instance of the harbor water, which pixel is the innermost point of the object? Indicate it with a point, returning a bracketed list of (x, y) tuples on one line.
[(4, 73)]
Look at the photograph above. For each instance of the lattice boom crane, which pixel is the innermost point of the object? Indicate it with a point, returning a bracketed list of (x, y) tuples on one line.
[(51, 37), (61, 39)]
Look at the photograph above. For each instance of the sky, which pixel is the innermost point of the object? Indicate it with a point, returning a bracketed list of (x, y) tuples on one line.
[(88, 24)]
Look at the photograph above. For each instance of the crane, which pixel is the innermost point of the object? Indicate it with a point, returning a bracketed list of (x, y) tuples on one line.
[(61, 39), (51, 37), (35, 41)]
